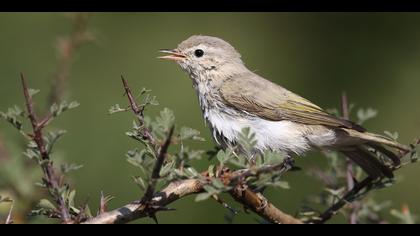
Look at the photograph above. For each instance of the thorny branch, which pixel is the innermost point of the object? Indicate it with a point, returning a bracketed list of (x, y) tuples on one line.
[(158, 166), (138, 111), (51, 179)]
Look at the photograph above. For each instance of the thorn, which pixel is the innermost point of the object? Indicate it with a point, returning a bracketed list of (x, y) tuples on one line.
[(153, 216), (9, 216)]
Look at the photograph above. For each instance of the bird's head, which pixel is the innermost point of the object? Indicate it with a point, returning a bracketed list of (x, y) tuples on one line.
[(202, 55)]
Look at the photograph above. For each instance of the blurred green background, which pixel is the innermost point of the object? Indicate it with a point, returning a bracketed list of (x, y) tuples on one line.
[(374, 57)]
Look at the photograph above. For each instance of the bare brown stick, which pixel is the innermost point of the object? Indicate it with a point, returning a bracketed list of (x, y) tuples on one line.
[(67, 48), (50, 178), (179, 189), (136, 210), (158, 166), (260, 205)]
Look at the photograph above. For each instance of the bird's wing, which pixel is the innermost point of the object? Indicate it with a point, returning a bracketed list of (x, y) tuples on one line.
[(253, 94)]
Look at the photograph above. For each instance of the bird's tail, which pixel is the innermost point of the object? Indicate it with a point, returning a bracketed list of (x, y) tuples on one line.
[(367, 154)]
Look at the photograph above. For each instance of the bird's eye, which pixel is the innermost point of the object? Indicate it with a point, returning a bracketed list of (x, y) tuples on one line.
[(198, 53)]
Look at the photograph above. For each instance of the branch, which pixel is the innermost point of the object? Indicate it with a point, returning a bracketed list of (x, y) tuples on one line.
[(260, 205), (256, 201), (348, 197), (158, 166), (50, 178), (136, 210), (138, 111)]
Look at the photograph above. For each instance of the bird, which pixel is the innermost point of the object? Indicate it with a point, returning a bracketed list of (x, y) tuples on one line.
[(232, 98)]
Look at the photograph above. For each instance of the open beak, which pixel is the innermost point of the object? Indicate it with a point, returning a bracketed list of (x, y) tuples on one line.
[(173, 55)]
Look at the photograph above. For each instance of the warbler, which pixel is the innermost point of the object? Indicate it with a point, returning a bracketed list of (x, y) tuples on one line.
[(232, 98)]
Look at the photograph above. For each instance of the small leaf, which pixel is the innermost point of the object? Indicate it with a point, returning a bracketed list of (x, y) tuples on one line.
[(202, 197), (116, 108), (393, 135), (189, 133), (33, 92), (66, 168), (210, 170), (191, 172), (166, 119), (364, 115), (70, 197), (217, 183), (46, 204)]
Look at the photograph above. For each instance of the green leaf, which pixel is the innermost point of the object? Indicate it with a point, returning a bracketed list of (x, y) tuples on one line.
[(273, 158), (51, 138), (140, 158), (191, 172), (32, 154), (189, 133), (221, 157), (166, 119), (33, 92), (202, 197), (70, 198), (56, 110), (46, 204), (116, 108), (11, 117), (393, 135), (217, 183), (66, 168), (404, 215), (366, 114), (247, 141), (210, 170), (281, 184)]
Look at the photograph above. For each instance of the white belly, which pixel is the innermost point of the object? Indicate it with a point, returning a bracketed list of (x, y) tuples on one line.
[(283, 136)]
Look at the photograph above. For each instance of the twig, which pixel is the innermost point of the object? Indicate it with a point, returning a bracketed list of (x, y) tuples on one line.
[(50, 178), (138, 111), (158, 166), (330, 212)]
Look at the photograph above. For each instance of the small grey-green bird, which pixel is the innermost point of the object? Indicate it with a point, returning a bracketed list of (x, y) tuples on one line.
[(232, 98)]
